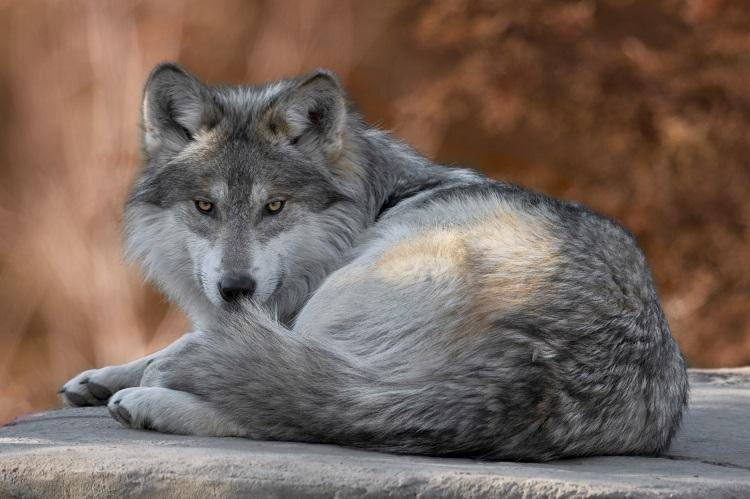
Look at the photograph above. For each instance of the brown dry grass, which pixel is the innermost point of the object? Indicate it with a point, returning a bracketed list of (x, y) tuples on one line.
[(639, 108)]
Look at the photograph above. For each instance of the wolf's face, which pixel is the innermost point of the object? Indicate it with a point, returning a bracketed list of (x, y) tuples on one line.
[(241, 194)]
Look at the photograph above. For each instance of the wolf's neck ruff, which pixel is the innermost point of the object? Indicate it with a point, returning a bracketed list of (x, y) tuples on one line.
[(393, 172), (419, 309)]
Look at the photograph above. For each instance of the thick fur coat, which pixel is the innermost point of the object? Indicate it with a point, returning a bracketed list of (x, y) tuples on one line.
[(344, 290)]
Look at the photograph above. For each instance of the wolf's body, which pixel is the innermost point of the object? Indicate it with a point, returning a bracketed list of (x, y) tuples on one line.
[(397, 305)]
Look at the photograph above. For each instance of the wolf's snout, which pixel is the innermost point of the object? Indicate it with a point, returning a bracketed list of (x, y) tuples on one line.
[(233, 286)]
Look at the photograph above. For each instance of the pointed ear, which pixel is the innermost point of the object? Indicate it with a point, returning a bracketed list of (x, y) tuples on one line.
[(176, 106), (311, 114)]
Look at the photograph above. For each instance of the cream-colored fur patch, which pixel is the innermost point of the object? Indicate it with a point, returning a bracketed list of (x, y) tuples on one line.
[(500, 261), (513, 256), (433, 253)]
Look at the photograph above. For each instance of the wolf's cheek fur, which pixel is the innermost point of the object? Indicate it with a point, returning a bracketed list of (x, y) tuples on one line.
[(206, 260), (156, 239)]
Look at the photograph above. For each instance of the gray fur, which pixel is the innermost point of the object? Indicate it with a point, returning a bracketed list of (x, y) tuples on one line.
[(401, 306)]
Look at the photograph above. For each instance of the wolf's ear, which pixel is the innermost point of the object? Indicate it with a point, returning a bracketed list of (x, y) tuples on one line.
[(175, 107), (311, 114)]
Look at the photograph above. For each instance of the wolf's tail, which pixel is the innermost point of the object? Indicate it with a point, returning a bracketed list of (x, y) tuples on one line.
[(283, 386)]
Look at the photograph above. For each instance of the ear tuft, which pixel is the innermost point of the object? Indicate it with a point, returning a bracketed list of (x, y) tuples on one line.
[(176, 106), (312, 113)]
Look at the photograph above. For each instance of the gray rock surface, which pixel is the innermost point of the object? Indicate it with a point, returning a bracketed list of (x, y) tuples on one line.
[(84, 453)]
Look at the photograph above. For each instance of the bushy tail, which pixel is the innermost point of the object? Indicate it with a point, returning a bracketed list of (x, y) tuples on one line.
[(283, 386), (280, 385)]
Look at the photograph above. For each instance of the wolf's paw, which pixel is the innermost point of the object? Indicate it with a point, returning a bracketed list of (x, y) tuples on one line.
[(92, 387), (170, 411), (135, 408)]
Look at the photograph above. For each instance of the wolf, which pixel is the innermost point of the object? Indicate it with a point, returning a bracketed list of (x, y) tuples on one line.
[(343, 289)]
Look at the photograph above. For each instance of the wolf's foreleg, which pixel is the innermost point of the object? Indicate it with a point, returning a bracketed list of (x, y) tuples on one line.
[(96, 386), (247, 376), (170, 411)]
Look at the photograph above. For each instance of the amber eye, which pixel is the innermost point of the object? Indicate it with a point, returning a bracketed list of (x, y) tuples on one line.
[(204, 206), (274, 206)]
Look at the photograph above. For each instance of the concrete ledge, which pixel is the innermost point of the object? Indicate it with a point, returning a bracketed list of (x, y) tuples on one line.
[(84, 453)]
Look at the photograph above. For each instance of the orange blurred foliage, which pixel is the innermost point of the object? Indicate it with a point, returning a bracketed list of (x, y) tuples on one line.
[(638, 108)]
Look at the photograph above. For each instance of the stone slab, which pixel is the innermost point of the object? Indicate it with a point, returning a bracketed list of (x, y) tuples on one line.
[(84, 453)]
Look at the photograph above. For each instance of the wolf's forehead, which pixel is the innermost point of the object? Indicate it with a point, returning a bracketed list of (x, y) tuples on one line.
[(248, 100)]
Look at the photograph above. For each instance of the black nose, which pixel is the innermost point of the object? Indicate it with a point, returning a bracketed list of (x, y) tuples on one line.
[(232, 286)]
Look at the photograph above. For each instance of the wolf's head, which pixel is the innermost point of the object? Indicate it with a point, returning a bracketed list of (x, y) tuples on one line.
[(244, 191)]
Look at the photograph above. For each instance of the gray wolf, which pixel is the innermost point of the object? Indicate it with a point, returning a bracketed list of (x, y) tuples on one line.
[(342, 289)]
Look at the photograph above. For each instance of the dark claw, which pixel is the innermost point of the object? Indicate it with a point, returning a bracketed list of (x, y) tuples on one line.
[(115, 415), (83, 381), (101, 393), (120, 413), (76, 399), (61, 390)]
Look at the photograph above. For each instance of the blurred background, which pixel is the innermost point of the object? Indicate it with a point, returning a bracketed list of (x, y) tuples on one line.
[(639, 108)]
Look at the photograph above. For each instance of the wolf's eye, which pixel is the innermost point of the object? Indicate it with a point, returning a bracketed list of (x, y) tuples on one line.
[(204, 206), (274, 206)]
